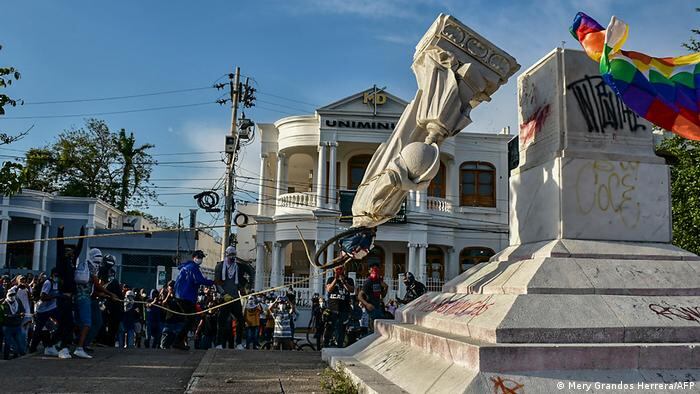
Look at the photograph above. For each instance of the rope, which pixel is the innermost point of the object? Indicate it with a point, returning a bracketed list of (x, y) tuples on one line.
[(242, 297), (128, 233)]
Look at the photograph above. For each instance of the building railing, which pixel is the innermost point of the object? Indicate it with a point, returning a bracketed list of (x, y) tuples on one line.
[(347, 197), (304, 293), (297, 200), (439, 204)]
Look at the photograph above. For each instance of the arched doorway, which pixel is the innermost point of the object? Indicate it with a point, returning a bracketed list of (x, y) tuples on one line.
[(471, 256), (435, 263), (361, 268)]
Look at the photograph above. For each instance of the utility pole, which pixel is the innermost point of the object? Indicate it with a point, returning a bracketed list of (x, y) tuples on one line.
[(179, 228), (234, 92)]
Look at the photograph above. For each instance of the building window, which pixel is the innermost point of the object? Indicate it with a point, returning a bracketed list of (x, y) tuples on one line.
[(438, 185), (435, 264), (357, 165), (469, 257), (478, 184)]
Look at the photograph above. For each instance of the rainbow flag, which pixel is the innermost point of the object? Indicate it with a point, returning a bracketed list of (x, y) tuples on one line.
[(663, 90)]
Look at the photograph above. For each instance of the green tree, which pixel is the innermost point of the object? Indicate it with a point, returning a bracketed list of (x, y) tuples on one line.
[(10, 171), (92, 161), (685, 179), (135, 168), (685, 191)]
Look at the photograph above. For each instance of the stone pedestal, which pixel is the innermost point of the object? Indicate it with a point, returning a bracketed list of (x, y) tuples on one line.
[(590, 291)]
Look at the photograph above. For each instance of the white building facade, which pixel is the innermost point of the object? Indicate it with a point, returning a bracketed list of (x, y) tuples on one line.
[(310, 167)]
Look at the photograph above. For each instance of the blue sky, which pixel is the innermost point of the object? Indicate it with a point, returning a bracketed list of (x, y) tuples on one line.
[(302, 55)]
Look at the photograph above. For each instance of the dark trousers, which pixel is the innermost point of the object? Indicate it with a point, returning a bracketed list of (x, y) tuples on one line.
[(64, 310), (223, 323), (185, 307), (40, 321), (335, 328)]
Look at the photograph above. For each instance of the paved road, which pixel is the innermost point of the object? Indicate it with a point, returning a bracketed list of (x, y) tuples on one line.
[(110, 371), (229, 371), (158, 371)]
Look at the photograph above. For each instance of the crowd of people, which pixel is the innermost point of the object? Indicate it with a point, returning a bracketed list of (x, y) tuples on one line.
[(82, 305), (348, 313)]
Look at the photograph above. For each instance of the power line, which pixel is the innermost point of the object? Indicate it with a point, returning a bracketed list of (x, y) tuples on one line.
[(108, 113), (117, 97)]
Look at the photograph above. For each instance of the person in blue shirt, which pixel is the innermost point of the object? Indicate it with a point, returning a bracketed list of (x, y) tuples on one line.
[(186, 287)]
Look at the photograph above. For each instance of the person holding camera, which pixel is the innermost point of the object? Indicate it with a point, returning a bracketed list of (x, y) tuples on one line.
[(339, 289)]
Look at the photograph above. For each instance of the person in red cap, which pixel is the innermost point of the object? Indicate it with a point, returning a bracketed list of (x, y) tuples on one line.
[(339, 289)]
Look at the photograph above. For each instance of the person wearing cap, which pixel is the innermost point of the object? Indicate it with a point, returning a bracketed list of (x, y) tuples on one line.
[(186, 286), (372, 294), (414, 289), (23, 296), (14, 313), (230, 279)]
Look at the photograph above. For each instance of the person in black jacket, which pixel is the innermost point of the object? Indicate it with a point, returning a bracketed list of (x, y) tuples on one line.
[(414, 289), (66, 257)]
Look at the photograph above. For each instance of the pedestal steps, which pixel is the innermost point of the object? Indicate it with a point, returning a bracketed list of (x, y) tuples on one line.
[(558, 319), (480, 356)]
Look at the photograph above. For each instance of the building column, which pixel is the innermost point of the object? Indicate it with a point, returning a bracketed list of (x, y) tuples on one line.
[(422, 264), (453, 181), (5, 222), (259, 266), (412, 268), (281, 184), (261, 187), (316, 278), (330, 252), (452, 269), (422, 200), (276, 274), (321, 176), (332, 176), (411, 202), (45, 247), (36, 255)]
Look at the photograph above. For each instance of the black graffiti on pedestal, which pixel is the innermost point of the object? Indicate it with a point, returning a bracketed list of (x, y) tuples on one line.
[(601, 107)]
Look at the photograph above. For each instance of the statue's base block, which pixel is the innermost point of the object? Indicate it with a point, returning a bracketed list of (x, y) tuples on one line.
[(565, 310)]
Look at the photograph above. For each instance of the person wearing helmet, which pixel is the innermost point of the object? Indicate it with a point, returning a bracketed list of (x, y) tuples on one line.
[(414, 289), (372, 294), (231, 278), (339, 288), (186, 286)]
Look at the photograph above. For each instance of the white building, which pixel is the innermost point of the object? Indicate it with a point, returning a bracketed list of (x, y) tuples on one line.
[(310, 166)]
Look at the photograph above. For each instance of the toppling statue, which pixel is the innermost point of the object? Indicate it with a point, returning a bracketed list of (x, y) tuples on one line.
[(456, 69)]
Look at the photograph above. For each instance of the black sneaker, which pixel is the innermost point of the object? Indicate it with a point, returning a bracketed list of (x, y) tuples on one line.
[(180, 346)]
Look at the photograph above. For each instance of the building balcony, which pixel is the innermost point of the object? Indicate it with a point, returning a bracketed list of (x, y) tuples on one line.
[(348, 196), (296, 204), (437, 204)]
